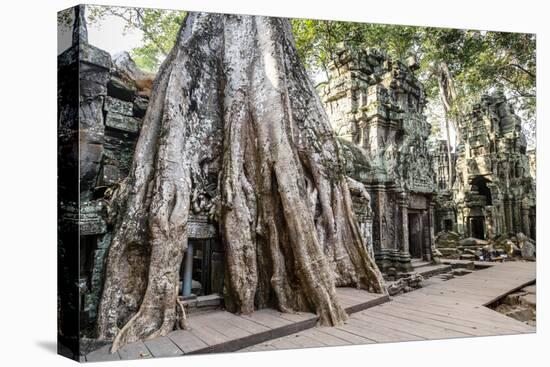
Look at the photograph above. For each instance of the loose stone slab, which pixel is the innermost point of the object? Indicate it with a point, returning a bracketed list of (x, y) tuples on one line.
[(122, 89), (118, 106), (94, 55), (121, 122)]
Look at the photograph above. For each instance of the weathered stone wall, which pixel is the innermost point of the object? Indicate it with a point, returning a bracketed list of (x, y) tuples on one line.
[(84, 73), (68, 295), (445, 209), (100, 112), (377, 104), (110, 117), (114, 114)]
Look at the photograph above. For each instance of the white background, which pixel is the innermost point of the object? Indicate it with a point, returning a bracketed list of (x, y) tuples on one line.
[(28, 181)]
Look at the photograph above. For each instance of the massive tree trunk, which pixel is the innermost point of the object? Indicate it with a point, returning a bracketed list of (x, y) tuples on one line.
[(447, 94), (284, 208)]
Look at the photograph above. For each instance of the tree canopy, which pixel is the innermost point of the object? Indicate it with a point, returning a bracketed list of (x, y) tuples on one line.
[(233, 108), (467, 63), (476, 61), (158, 26)]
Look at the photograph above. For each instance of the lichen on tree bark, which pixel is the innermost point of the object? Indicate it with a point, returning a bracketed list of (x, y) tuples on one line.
[(285, 213)]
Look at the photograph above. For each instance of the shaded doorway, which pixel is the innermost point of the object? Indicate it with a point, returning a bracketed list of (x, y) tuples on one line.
[(479, 185), (415, 234), (477, 229), (205, 269)]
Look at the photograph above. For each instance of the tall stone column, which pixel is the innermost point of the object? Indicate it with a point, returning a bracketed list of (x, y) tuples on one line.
[(188, 271), (517, 219), (460, 220), (80, 30), (508, 216), (431, 225), (490, 223), (402, 227), (498, 215), (404, 214), (525, 221), (379, 215), (425, 231)]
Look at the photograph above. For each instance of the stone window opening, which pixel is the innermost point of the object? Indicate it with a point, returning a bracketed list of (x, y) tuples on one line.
[(479, 184), (416, 232), (477, 229)]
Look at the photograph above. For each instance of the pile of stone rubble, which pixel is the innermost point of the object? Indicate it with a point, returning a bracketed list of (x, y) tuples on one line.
[(405, 284), (451, 245)]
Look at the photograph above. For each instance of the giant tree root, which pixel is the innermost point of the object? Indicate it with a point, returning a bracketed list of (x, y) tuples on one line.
[(285, 212)]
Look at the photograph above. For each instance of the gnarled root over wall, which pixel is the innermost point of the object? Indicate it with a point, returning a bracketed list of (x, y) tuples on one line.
[(285, 212)]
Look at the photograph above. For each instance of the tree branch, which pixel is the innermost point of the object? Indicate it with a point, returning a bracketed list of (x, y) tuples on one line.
[(517, 90), (141, 26), (530, 74), (149, 34)]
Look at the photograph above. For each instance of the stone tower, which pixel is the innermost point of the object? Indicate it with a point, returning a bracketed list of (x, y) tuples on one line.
[(445, 209), (494, 190), (377, 104)]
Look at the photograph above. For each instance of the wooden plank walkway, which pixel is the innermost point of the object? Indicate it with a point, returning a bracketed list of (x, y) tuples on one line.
[(221, 331), (441, 309)]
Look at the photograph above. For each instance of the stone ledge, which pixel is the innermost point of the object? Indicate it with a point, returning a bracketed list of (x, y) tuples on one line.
[(121, 122)]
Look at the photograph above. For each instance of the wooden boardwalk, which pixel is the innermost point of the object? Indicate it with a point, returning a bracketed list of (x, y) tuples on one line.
[(221, 331), (441, 309)]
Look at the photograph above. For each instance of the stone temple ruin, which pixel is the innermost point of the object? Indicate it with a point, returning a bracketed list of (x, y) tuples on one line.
[(445, 211), (376, 105), (486, 199), (493, 196), (495, 190)]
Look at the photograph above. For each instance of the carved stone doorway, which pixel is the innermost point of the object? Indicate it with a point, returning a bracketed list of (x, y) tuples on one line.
[(202, 274), (477, 229), (415, 234)]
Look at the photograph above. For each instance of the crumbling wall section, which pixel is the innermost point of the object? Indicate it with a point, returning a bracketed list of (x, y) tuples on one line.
[(111, 111)]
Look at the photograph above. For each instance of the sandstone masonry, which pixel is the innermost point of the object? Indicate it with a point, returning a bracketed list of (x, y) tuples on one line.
[(376, 104)]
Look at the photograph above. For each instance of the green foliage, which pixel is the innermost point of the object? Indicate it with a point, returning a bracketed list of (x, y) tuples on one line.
[(159, 28), (317, 40), (478, 61)]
